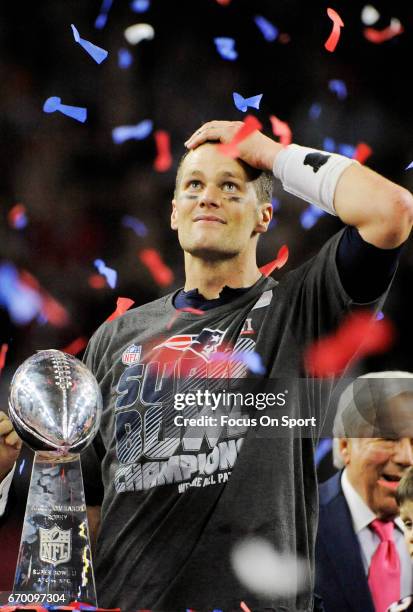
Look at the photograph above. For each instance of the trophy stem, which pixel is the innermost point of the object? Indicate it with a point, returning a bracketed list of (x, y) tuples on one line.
[(55, 556)]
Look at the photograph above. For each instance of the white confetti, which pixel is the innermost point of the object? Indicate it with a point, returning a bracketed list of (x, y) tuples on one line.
[(140, 31)]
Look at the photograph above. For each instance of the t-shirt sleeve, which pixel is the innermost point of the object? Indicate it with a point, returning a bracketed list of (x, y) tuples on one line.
[(365, 270)]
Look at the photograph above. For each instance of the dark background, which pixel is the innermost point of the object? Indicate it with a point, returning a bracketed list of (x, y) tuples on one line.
[(77, 185)]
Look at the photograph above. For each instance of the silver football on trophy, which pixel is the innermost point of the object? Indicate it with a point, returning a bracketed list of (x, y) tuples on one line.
[(55, 403)]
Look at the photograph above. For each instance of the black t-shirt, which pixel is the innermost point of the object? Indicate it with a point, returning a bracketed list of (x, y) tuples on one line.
[(174, 508)]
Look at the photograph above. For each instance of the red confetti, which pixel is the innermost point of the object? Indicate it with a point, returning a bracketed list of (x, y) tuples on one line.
[(163, 159), (359, 335), (380, 36), (230, 149), (17, 216), (281, 129), (195, 311), (276, 264), (122, 305), (223, 2), (3, 351), (362, 152), (54, 312), (244, 607), (76, 346), (332, 40), (161, 273), (97, 281), (284, 38)]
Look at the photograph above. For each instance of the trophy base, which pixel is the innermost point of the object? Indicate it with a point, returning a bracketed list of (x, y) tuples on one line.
[(54, 561)]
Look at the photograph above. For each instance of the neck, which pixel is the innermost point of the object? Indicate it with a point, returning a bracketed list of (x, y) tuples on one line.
[(210, 277)]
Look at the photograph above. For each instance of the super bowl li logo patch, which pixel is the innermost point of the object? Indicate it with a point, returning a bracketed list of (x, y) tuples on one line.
[(55, 545), (132, 354)]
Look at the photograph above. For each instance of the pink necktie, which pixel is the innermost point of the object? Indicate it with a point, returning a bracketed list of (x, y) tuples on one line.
[(384, 572)]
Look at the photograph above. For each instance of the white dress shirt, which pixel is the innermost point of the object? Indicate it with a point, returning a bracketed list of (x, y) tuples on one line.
[(4, 490), (362, 516)]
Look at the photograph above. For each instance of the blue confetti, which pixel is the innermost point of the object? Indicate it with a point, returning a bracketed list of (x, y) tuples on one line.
[(268, 30), (346, 149), (242, 104), (132, 132), (138, 226), (380, 315), (310, 216), (110, 274), (22, 302), (97, 53), (54, 104), (275, 203), (226, 48), (315, 111), (21, 466), (323, 448), (329, 145), (409, 166), (140, 6), (102, 18), (125, 58), (252, 360), (338, 87)]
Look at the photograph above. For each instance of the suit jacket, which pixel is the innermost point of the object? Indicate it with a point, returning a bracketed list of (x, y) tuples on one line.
[(340, 577)]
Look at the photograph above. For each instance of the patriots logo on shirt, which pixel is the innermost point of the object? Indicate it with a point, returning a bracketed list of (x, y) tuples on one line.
[(203, 344), (132, 354)]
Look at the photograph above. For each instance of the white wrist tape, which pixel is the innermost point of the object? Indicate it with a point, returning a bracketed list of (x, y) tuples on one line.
[(310, 174)]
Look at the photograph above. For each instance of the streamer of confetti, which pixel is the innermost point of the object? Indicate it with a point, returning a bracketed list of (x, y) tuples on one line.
[(358, 336), (338, 87), (122, 305), (125, 58), (134, 34), (3, 352), (17, 217), (109, 273), (362, 152), (76, 346), (54, 104), (102, 18), (139, 131), (163, 160), (267, 29), (95, 52), (160, 272), (134, 223), (276, 264), (332, 40), (281, 130), (242, 103), (226, 48), (381, 36), (409, 166), (251, 124)]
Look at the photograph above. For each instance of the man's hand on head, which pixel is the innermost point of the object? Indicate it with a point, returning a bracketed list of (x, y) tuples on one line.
[(10, 445), (257, 150)]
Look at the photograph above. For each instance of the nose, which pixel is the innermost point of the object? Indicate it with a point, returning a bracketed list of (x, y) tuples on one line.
[(403, 454), (210, 196)]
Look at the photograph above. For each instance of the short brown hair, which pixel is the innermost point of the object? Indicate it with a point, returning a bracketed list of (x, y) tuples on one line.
[(404, 492), (262, 180)]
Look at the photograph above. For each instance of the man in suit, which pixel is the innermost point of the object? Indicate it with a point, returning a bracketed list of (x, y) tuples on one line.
[(362, 563)]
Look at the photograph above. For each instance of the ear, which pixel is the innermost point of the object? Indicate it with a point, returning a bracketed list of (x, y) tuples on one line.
[(344, 446), (174, 216), (264, 218)]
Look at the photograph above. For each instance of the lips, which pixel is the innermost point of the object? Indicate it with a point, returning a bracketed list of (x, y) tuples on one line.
[(389, 481), (210, 218)]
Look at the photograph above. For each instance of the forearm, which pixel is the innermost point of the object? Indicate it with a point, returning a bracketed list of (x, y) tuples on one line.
[(381, 210), (93, 517)]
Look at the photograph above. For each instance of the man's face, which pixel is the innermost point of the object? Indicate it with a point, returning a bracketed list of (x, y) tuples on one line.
[(406, 514), (216, 211), (374, 467)]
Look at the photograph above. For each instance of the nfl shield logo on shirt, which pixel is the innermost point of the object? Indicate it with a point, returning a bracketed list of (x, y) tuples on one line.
[(132, 354)]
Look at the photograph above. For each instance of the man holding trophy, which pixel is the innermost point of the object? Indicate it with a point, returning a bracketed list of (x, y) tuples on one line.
[(176, 502)]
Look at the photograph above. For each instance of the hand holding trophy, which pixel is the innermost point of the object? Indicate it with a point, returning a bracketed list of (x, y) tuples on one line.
[(55, 405)]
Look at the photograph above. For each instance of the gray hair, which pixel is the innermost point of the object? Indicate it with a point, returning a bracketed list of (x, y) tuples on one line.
[(362, 409)]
